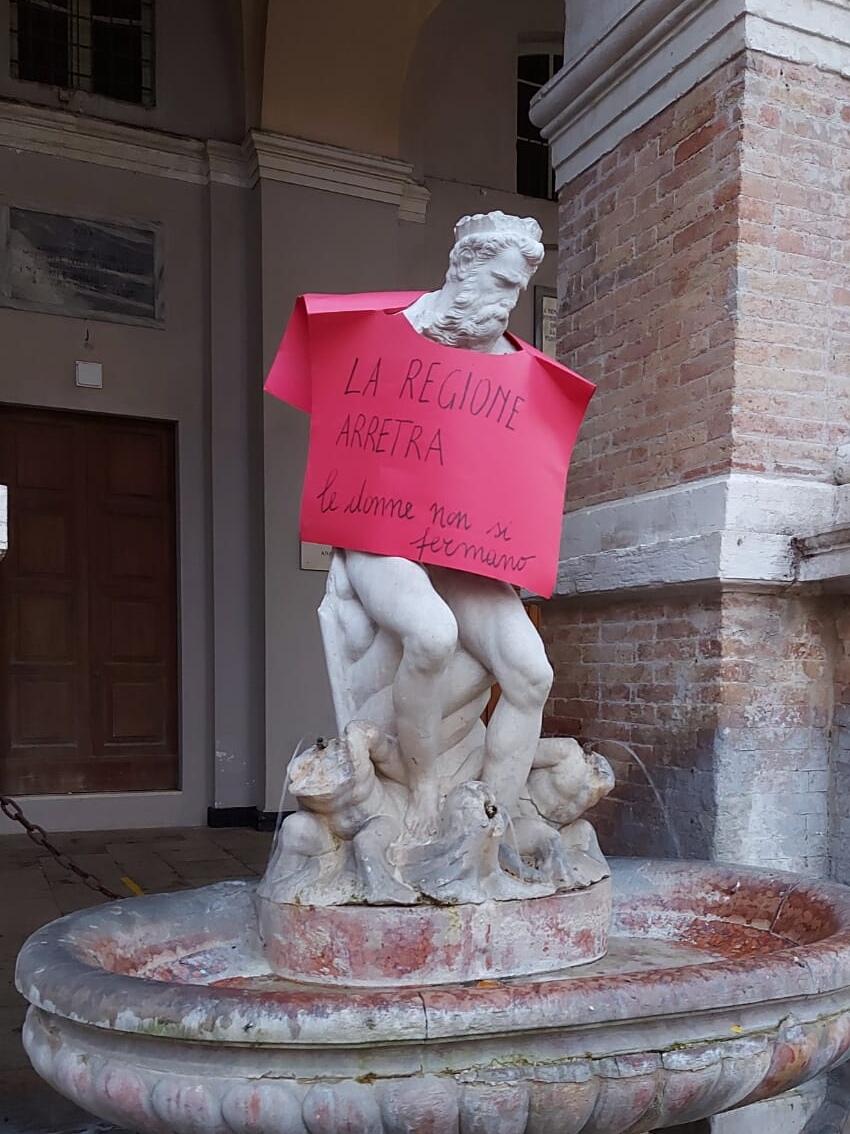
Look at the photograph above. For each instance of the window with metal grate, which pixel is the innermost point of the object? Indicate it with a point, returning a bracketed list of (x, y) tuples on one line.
[(533, 173), (105, 47)]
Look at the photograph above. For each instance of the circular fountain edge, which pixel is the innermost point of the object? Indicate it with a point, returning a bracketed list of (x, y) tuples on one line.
[(606, 1050)]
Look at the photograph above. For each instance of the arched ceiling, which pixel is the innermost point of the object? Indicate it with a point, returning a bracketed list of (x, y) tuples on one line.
[(333, 71)]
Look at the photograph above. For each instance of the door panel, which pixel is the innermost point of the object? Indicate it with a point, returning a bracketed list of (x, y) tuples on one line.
[(43, 454), (42, 711), (131, 479), (45, 541), (134, 630), (135, 464), (88, 621), (43, 609), (41, 628)]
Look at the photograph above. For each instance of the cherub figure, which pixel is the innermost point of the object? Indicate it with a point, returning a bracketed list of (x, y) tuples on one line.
[(344, 844), (551, 840), (335, 848)]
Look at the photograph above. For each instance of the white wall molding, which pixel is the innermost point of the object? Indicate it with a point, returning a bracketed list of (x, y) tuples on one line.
[(660, 49), (57, 133), (274, 157), (736, 529), (315, 165), (824, 558), (73, 137), (233, 165), (802, 31)]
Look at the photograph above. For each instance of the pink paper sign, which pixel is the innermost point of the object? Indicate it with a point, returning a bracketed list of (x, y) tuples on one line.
[(432, 453)]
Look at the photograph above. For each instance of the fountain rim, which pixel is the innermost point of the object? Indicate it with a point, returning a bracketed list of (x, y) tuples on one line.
[(54, 976)]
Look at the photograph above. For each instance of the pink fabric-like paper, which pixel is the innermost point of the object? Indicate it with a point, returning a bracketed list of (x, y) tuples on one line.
[(436, 454)]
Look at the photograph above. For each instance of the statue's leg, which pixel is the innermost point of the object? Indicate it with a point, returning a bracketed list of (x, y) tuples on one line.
[(375, 875), (494, 626), (397, 594), (302, 851)]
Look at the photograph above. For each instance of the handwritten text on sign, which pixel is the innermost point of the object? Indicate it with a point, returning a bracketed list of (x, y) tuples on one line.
[(437, 454)]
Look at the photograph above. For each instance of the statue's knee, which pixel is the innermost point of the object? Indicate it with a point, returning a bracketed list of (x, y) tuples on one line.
[(303, 833), (431, 647), (540, 679), (531, 680)]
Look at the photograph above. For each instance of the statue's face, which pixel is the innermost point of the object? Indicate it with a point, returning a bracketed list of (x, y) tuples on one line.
[(499, 281), (480, 295)]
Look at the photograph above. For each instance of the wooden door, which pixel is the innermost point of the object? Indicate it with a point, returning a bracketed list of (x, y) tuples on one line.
[(88, 616)]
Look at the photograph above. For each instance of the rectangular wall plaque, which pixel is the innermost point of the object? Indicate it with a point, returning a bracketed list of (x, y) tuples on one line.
[(315, 556), (85, 268), (546, 320)]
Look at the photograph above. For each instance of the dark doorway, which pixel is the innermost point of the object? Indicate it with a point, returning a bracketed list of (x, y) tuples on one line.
[(88, 604)]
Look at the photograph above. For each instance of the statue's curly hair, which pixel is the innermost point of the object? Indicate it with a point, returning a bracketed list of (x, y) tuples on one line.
[(485, 246)]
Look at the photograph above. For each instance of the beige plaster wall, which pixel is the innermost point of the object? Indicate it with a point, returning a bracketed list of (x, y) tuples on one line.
[(236, 495), (458, 129), (147, 372), (311, 242), (203, 370), (323, 242), (235, 259)]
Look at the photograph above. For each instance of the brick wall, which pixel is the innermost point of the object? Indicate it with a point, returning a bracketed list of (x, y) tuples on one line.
[(704, 268), (639, 679), (839, 795), (647, 264), (705, 285), (792, 399), (715, 714)]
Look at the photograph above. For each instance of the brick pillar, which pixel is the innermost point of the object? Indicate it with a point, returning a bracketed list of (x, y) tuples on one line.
[(702, 155)]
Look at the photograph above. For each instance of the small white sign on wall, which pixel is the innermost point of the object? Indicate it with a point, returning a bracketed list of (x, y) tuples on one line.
[(315, 556), (89, 374), (546, 320)]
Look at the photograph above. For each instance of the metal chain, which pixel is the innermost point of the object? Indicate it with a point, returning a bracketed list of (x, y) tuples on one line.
[(12, 809)]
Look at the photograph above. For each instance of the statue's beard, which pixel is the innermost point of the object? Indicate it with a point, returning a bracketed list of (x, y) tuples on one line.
[(468, 323)]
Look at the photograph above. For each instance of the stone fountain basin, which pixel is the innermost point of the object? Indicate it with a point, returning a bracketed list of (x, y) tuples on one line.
[(722, 986)]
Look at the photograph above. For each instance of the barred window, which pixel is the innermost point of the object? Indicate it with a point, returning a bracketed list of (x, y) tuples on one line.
[(533, 176), (105, 47)]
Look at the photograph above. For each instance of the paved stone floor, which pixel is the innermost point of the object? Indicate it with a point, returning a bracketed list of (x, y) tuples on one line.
[(35, 889)]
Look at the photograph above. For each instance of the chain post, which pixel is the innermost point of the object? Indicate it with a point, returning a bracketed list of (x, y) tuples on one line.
[(12, 810)]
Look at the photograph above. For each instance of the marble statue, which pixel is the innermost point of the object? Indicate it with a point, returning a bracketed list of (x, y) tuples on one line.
[(417, 797)]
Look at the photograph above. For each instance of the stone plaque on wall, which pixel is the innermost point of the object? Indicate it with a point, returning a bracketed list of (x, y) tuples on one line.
[(85, 268), (546, 320)]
